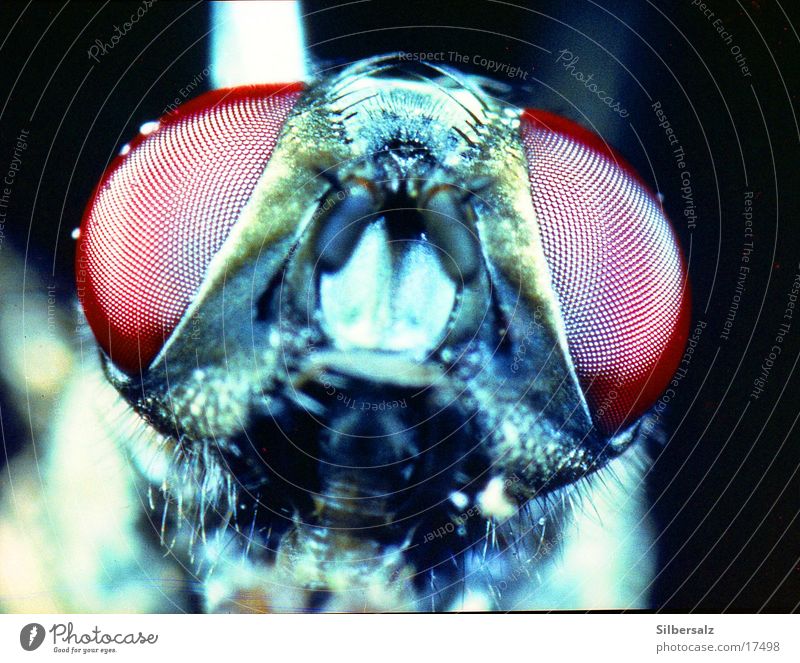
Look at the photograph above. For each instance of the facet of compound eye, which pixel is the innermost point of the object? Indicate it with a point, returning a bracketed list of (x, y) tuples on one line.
[(615, 265), (163, 209)]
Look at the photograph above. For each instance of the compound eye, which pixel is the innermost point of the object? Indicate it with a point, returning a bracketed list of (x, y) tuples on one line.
[(163, 209), (615, 265)]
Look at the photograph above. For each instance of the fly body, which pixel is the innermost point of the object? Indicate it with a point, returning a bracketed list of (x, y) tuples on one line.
[(384, 342)]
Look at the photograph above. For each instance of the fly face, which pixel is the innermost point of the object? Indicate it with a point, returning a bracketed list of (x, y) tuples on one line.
[(350, 314)]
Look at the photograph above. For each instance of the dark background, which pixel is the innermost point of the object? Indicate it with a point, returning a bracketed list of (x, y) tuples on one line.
[(725, 485)]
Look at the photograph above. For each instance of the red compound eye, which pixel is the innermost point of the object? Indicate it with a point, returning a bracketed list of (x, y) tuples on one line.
[(616, 267), (163, 209)]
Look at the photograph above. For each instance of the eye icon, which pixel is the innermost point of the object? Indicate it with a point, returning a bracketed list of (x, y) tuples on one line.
[(31, 636)]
